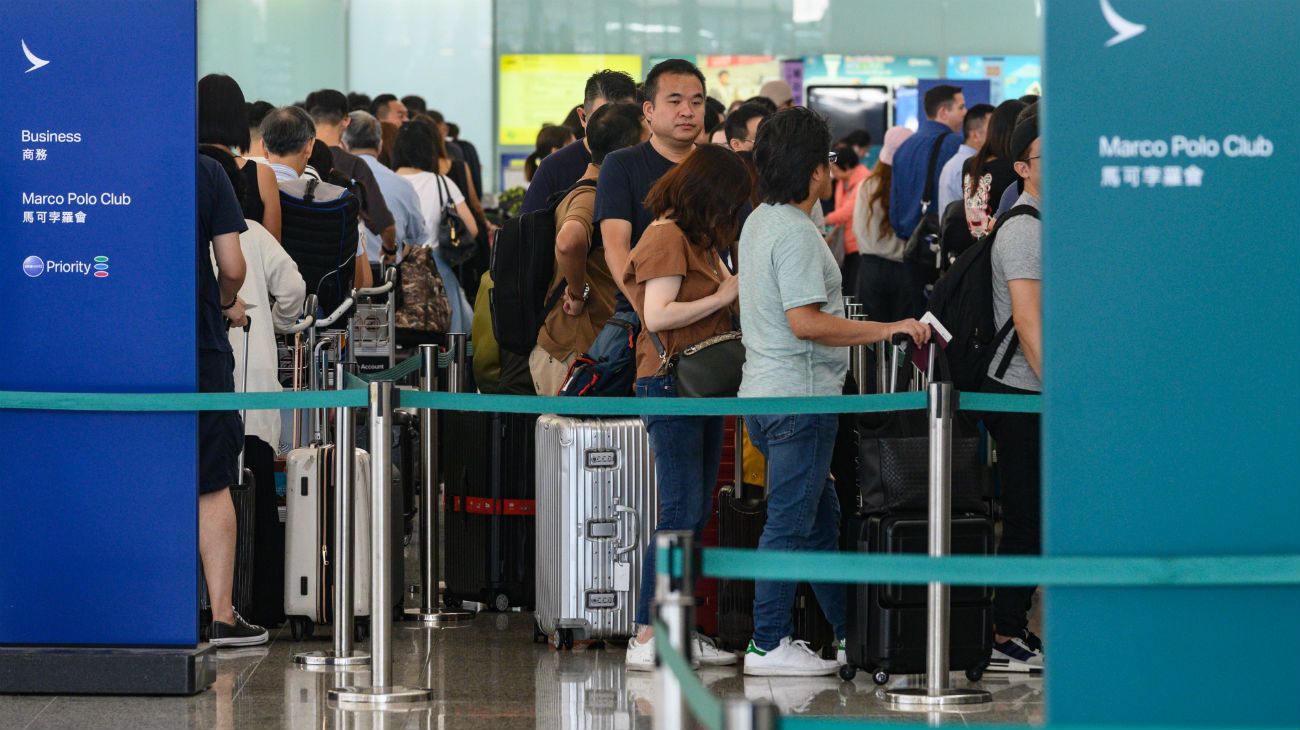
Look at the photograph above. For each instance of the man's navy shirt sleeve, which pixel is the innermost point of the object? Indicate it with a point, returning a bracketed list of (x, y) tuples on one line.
[(614, 191)]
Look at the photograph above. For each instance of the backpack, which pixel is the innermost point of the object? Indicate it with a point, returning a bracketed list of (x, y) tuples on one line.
[(609, 367), (963, 301), (495, 371), (319, 232), (523, 264)]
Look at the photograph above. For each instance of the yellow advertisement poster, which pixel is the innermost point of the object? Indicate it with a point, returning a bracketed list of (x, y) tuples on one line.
[(538, 89)]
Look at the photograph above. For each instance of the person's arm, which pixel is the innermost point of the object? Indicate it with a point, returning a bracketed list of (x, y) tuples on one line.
[(462, 209), (572, 244), (285, 285), (861, 211), (1027, 313), (231, 269), (388, 238), (616, 238), (378, 217), (362, 278), (809, 322), (663, 312), (843, 213), (269, 190), (475, 205)]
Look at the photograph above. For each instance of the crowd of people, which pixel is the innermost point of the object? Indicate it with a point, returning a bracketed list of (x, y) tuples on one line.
[(689, 221)]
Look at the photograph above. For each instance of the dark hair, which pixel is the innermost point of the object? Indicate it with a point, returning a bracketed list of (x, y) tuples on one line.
[(222, 117), (414, 103), (414, 147), (573, 123), (453, 129), (358, 101), (1026, 131), (327, 106), (227, 162), (737, 124), (997, 144), (974, 116), (764, 102), (939, 97), (714, 114), (551, 138), (257, 111), (439, 141), (703, 194), (857, 138), (287, 130), (389, 132), (608, 85), (845, 158), (436, 116), (613, 127), (671, 67), (791, 145), (1028, 99), (381, 102)]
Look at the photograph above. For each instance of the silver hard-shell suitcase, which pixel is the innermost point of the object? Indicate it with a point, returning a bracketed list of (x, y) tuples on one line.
[(596, 509)]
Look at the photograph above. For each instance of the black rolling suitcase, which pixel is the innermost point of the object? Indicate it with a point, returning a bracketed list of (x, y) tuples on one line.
[(740, 525), (887, 623), (487, 462)]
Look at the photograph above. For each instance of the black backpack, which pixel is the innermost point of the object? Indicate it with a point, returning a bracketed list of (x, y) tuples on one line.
[(319, 232), (963, 301), (523, 263)]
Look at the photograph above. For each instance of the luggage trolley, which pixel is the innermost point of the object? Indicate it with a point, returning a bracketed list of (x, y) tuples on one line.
[(372, 330)]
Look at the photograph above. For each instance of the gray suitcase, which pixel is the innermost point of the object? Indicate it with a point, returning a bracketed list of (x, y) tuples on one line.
[(596, 509)]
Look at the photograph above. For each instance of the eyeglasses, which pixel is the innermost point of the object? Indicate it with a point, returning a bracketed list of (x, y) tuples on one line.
[(1035, 157), (831, 157)]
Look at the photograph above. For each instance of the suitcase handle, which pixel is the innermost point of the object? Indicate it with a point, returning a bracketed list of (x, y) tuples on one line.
[(631, 544)]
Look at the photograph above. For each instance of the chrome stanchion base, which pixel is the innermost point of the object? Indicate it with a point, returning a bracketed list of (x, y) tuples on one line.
[(379, 696), (445, 618), (921, 699), (328, 659)]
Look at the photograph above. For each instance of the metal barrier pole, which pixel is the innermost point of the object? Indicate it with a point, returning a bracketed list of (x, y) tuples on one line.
[(740, 714), (858, 360), (675, 607), (938, 691), (431, 609), (344, 539), (382, 691), (456, 345), (882, 367)]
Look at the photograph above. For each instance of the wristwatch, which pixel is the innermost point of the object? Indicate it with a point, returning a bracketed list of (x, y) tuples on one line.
[(586, 292)]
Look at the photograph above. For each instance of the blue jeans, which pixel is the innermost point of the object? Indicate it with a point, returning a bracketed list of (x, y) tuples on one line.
[(688, 452), (803, 513), (462, 316)]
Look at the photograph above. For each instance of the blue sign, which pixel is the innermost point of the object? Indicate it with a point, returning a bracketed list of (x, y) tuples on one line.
[(1171, 367), (98, 511)]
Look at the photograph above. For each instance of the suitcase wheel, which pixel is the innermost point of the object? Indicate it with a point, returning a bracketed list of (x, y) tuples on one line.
[(848, 672), (501, 603), (975, 673), (562, 639), (539, 636), (880, 677), (301, 628), (360, 631)]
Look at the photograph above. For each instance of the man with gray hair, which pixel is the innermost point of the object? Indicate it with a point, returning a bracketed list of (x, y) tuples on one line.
[(288, 134), (363, 137)]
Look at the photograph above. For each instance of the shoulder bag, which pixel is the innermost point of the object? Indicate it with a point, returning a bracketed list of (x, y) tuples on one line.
[(454, 241), (707, 369)]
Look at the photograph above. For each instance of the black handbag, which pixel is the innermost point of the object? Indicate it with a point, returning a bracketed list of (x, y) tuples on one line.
[(708, 369), (454, 242)]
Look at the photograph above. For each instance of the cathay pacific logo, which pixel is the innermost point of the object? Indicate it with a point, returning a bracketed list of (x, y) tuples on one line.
[(1125, 29), (33, 266)]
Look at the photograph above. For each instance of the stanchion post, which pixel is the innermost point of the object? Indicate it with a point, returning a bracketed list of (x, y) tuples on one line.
[(675, 607), (740, 714), (431, 610), (858, 360), (938, 691), (343, 655), (382, 691), (456, 371)]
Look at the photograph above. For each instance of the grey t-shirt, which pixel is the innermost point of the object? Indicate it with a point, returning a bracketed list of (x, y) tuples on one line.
[(1017, 254), (785, 263)]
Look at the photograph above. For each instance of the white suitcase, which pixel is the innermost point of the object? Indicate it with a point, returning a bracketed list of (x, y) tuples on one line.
[(308, 566), (596, 509)]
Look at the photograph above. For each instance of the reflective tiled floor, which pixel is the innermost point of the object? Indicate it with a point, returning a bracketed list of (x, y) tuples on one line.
[(489, 675)]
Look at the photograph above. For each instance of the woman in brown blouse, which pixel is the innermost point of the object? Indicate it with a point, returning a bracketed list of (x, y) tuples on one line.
[(684, 293)]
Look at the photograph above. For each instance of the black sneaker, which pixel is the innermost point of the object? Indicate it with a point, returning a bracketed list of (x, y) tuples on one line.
[(241, 633)]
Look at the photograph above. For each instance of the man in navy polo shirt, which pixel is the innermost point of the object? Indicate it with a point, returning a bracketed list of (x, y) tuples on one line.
[(945, 111)]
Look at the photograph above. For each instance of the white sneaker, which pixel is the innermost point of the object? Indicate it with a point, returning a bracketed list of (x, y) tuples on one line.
[(790, 659), (792, 696), (640, 657), (708, 654)]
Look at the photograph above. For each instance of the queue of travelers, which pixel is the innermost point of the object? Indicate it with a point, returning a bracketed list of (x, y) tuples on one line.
[(689, 222)]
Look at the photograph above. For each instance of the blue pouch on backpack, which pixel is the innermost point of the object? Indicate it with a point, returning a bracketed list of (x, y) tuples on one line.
[(609, 367)]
